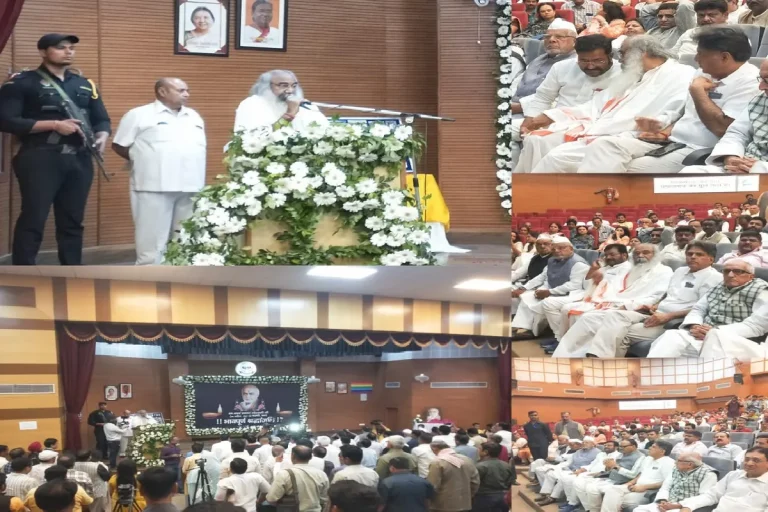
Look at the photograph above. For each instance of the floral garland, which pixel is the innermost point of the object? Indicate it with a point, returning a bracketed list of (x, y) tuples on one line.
[(504, 119), (147, 442), (294, 178), (190, 400)]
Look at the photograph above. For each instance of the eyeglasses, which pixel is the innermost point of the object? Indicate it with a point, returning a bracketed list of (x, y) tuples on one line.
[(734, 271), (761, 80)]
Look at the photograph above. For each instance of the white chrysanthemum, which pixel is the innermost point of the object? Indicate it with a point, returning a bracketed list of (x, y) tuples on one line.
[(251, 178), (505, 176), (282, 186), (338, 133), (203, 205), (316, 181), (502, 42), (380, 130), (315, 131), (379, 239), (254, 143), (275, 168), (282, 135), (345, 191), (505, 92), (502, 187), (323, 148), (356, 131), (370, 204), (506, 193), (366, 186), (329, 167), (218, 216), (375, 223), (183, 237), (502, 150), (277, 150), (299, 169), (507, 11), (396, 240), (257, 190), (505, 53), (254, 208), (403, 132), (324, 198), (408, 213), (503, 106), (344, 152), (353, 206), (298, 185), (506, 204), (335, 178), (503, 30), (394, 197), (418, 237), (368, 157), (391, 212), (275, 200), (299, 149)]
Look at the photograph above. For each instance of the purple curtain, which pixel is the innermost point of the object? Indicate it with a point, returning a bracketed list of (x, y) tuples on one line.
[(504, 361), (9, 14), (76, 360)]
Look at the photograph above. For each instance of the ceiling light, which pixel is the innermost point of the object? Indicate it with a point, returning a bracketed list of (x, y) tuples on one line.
[(484, 285), (342, 272)]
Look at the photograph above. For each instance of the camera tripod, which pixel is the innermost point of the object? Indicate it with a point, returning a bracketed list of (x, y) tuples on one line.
[(201, 482)]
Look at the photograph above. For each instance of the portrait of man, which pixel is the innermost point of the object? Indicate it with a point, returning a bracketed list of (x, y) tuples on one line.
[(433, 415), (251, 402), (262, 24), (202, 27)]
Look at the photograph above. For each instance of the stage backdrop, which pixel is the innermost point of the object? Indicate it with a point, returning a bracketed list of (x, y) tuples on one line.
[(217, 404)]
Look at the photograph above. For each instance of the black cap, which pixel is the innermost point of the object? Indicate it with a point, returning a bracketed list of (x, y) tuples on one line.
[(49, 40)]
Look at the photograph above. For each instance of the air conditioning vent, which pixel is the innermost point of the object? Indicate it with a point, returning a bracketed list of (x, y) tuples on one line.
[(677, 392), (621, 393), (27, 389), (703, 388), (392, 385), (723, 385), (654, 392), (573, 391), (458, 385), (530, 389)]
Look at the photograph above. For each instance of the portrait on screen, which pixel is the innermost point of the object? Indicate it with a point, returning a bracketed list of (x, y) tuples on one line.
[(262, 24), (202, 27)]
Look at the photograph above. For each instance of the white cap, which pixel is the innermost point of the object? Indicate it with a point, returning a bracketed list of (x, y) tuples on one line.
[(575, 441), (560, 240), (589, 438), (323, 440), (544, 236), (47, 455), (560, 23), (581, 224)]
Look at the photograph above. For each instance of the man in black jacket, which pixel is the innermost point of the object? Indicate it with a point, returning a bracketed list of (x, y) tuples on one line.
[(539, 436), (97, 419)]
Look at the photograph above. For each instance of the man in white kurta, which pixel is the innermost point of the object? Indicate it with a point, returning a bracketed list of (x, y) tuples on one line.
[(690, 478), (735, 309), (166, 146), (641, 287), (583, 475), (721, 344), (542, 298), (652, 87), (655, 468), (276, 100)]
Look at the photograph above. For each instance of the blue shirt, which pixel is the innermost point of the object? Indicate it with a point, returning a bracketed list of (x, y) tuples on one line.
[(405, 492)]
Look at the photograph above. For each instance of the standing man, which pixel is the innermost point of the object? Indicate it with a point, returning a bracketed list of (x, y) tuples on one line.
[(166, 145), (124, 422), (569, 428), (113, 435), (454, 477), (171, 455), (495, 479), (53, 166), (403, 490), (97, 419), (539, 436)]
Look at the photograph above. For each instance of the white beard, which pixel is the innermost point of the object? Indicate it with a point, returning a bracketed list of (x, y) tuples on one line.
[(631, 73), (639, 270)]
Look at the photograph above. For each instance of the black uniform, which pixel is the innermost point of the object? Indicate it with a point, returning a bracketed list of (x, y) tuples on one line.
[(52, 169), (99, 416)]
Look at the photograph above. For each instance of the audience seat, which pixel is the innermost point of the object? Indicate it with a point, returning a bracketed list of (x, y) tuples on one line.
[(708, 443), (565, 14), (518, 7), (732, 235), (675, 264), (754, 33), (722, 466), (629, 11), (708, 436), (723, 249), (640, 349), (743, 437), (589, 255), (704, 428), (643, 451), (743, 446), (523, 20), (757, 61), (673, 442), (532, 47), (762, 273)]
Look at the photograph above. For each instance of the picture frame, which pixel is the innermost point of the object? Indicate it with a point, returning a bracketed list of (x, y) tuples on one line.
[(262, 25), (330, 387), (341, 388), (111, 393), (201, 27), (126, 390)]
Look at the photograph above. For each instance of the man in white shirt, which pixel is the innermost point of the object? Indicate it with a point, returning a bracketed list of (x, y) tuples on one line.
[(47, 459), (241, 488), (273, 464), (113, 433), (723, 448), (719, 92), (757, 223), (369, 456), (238, 452), (445, 436), (744, 490), (656, 468), (708, 12), (750, 249), (351, 457), (312, 483), (277, 100), (424, 454), (166, 146), (676, 250), (264, 452), (332, 453), (582, 475), (504, 430), (691, 444), (223, 448)]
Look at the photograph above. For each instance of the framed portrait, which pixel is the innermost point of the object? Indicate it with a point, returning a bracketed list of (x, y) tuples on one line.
[(111, 393), (341, 388), (262, 25), (126, 390), (330, 387), (201, 27)]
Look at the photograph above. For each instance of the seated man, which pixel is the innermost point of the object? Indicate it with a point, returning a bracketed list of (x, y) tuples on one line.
[(733, 308), (620, 471), (568, 480), (667, 31), (542, 297), (534, 266), (651, 85), (570, 82), (556, 452), (744, 146), (756, 223), (691, 444), (689, 478), (551, 488), (684, 234), (708, 12), (749, 250), (723, 448), (601, 230), (721, 89), (655, 469), (722, 343), (710, 234), (756, 13), (641, 288)]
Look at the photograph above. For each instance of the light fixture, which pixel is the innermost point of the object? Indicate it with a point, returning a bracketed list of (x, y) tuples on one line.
[(313, 380), (484, 285), (294, 427), (421, 378), (342, 272)]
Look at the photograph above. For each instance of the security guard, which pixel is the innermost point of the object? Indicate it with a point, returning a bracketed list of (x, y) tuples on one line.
[(53, 166)]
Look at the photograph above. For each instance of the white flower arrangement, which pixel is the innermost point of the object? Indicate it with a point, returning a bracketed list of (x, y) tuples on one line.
[(504, 119), (146, 443), (295, 177)]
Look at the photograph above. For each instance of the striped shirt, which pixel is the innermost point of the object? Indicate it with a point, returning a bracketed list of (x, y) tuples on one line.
[(19, 485), (82, 479), (100, 489)]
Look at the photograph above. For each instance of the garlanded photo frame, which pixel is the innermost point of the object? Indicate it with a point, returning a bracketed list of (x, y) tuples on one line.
[(262, 25), (190, 401), (111, 393), (126, 390), (330, 387), (201, 27), (342, 388)]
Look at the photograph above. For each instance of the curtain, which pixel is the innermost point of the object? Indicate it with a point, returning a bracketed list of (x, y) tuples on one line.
[(9, 14), (76, 360), (504, 359)]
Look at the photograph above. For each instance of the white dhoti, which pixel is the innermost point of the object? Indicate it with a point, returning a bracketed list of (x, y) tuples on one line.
[(568, 480), (551, 481), (156, 216), (550, 154), (538, 463), (676, 343), (515, 146), (617, 154), (620, 496), (541, 475), (637, 334), (124, 445), (650, 507), (720, 344), (592, 496), (567, 320), (597, 332), (533, 314)]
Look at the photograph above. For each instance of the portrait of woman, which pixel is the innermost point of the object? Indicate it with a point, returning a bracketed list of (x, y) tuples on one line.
[(261, 24), (202, 27)]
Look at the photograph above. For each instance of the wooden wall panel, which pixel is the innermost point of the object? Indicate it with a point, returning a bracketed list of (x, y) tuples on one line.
[(28, 346), (46, 427), (578, 191), (81, 300), (247, 306), (549, 409), (462, 318), (130, 300), (346, 311), (298, 309), (387, 314), (192, 304), (467, 92)]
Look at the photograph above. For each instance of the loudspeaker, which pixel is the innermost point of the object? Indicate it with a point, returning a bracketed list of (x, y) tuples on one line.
[(738, 378)]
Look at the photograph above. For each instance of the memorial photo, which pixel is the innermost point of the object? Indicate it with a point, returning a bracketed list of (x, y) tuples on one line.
[(202, 27), (262, 24)]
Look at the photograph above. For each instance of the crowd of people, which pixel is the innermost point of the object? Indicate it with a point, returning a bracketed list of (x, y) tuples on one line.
[(652, 87), (445, 468), (650, 464), (688, 297)]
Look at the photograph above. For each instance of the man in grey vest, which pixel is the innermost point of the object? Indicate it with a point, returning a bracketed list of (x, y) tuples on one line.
[(727, 315), (542, 297), (572, 429), (689, 478), (655, 469), (620, 471)]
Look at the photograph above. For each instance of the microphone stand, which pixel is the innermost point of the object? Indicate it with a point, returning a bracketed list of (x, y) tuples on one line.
[(407, 118)]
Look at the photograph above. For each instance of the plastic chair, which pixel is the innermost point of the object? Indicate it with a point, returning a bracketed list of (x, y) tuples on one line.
[(722, 466), (708, 436), (743, 437), (566, 14), (723, 249), (754, 33), (518, 7)]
